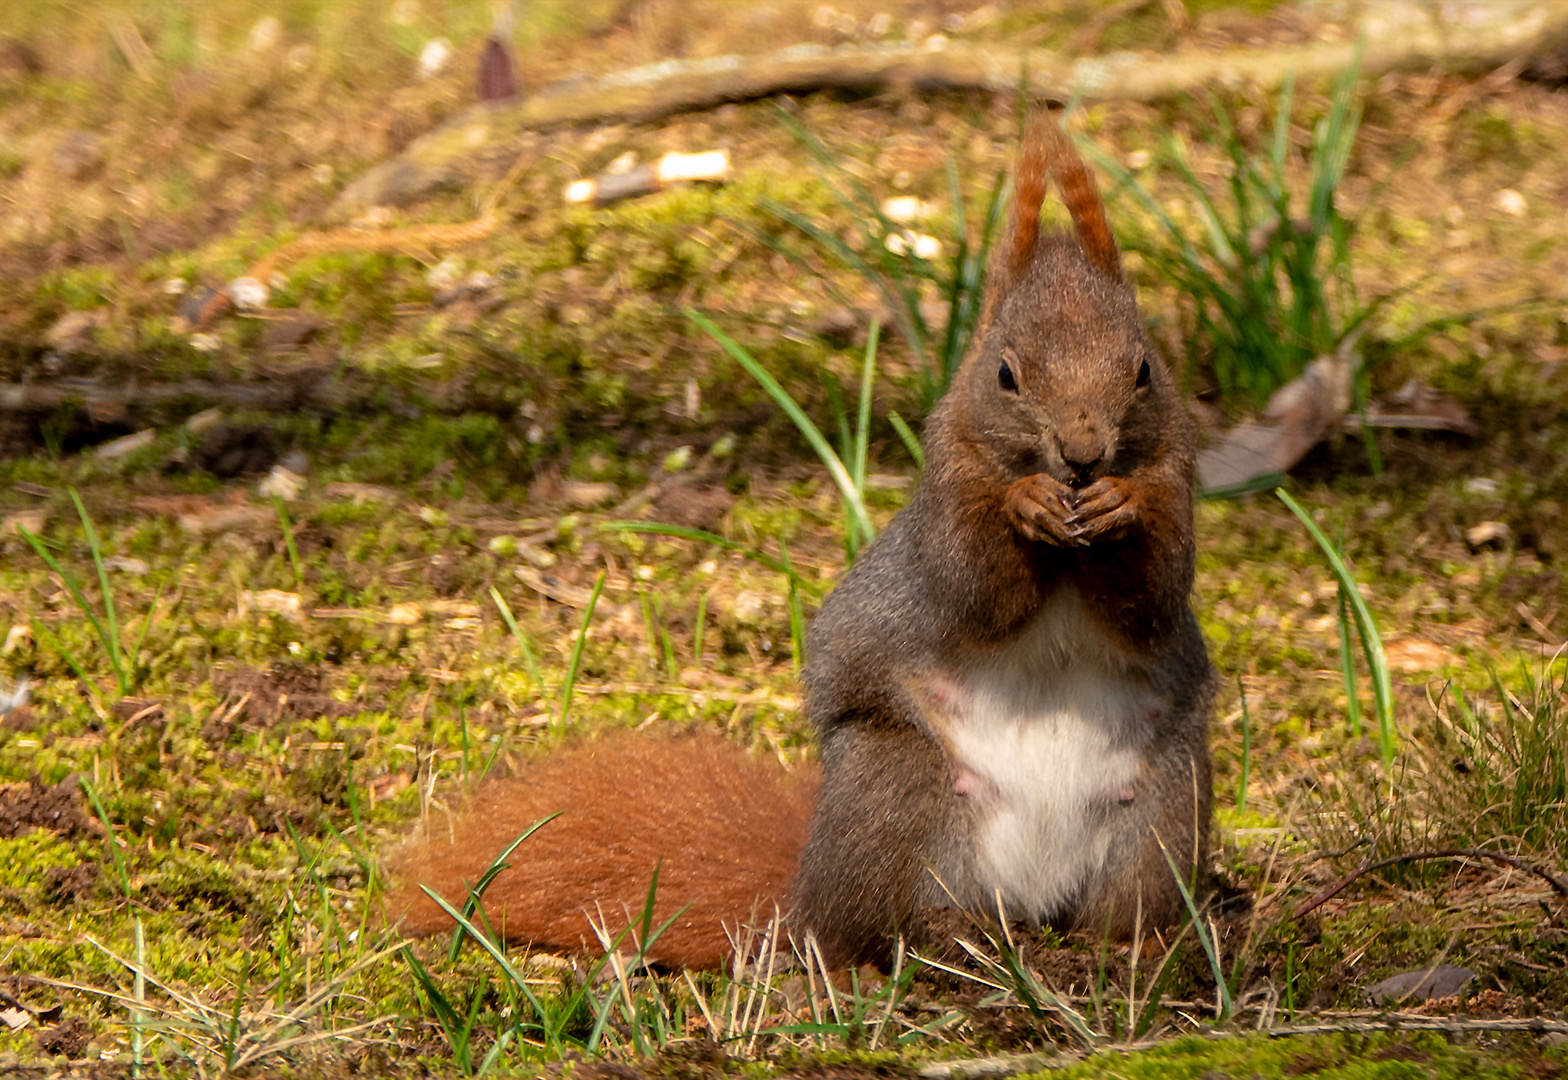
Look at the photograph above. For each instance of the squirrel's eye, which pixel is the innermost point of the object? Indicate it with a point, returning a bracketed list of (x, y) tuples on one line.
[(1005, 377), (1143, 374)]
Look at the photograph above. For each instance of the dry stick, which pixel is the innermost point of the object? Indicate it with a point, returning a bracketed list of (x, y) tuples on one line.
[(1557, 883), (414, 239)]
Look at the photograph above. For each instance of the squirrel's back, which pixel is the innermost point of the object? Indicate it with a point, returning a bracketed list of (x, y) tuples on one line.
[(723, 828)]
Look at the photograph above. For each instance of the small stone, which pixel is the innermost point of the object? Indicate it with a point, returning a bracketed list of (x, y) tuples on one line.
[(1510, 202), (1481, 485), (434, 57), (273, 602), (749, 606), (586, 496), (406, 614), (537, 557), (282, 483), (248, 294), (266, 34), (1493, 534)]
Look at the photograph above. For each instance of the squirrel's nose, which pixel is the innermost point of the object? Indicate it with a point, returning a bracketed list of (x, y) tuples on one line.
[(1082, 448)]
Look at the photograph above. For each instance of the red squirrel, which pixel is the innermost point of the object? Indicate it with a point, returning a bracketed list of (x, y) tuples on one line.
[(1009, 688)]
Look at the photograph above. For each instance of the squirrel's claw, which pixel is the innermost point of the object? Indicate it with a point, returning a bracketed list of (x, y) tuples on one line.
[(1105, 509), (1040, 508)]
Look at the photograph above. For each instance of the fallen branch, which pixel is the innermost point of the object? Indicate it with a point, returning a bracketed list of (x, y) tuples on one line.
[(1556, 882)]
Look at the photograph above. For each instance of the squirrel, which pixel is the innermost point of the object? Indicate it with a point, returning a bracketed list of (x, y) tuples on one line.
[(1009, 688)]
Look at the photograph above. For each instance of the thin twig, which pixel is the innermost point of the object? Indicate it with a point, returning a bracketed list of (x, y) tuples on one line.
[(1556, 882)]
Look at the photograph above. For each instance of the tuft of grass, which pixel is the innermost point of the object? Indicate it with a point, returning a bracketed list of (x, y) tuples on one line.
[(1270, 280), (105, 628), (1497, 766)]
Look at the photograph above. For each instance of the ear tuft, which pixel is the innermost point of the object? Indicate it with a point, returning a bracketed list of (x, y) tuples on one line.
[(1079, 195)]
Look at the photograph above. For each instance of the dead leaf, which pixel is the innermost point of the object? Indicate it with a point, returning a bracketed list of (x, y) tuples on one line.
[(1295, 420), (1445, 980)]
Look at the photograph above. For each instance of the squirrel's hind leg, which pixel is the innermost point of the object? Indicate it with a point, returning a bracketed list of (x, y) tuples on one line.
[(1137, 884), (887, 827)]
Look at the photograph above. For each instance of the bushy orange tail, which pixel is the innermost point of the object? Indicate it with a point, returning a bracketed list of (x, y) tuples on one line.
[(729, 828)]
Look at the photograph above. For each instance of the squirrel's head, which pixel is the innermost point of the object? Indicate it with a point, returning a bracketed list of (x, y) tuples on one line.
[(1063, 378)]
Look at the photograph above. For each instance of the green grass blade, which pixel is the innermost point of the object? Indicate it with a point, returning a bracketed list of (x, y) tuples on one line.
[(476, 892), (1227, 1005), (112, 638), (697, 631), (577, 653), (1347, 671), (141, 637), (517, 633), (1366, 627), (113, 837), (1246, 751), (868, 372), (288, 540), (484, 942), (907, 437), (66, 654), (797, 618), (446, 1016), (780, 396)]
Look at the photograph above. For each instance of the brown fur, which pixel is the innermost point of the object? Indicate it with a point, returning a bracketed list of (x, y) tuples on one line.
[(729, 827)]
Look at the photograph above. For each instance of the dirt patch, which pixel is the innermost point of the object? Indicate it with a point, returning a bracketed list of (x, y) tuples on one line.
[(694, 507), (68, 1037), (264, 696), (59, 808), (64, 884)]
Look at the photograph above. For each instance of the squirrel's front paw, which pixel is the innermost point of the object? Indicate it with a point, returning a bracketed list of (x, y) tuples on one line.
[(1104, 510), (1040, 508)]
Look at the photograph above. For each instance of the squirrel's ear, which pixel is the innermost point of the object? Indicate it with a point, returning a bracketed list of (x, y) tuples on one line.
[(1034, 169), (1080, 197)]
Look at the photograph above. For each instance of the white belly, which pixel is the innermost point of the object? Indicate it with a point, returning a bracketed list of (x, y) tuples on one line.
[(1048, 741)]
